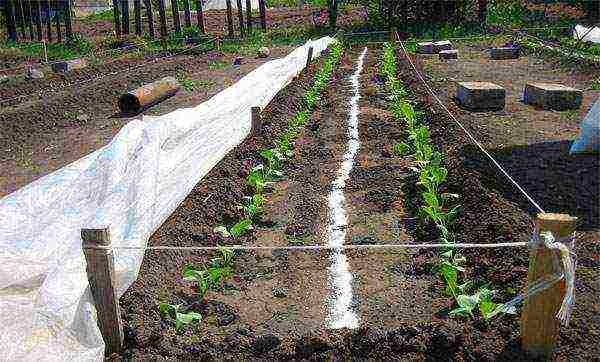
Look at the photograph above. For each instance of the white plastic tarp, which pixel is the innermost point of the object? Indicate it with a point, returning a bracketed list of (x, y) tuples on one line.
[(222, 4), (587, 34), (589, 136), (131, 185)]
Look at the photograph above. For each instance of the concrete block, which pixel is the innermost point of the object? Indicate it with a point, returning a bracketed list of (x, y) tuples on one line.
[(481, 96), (505, 53), (552, 96), (426, 48), (69, 65), (448, 54), (442, 45)]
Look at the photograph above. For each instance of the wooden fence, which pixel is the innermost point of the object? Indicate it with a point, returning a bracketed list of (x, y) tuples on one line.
[(145, 21), (48, 20)]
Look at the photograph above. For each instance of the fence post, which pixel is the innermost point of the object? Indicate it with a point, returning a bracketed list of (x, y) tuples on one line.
[(176, 19), (229, 19), (30, 20), (248, 17), (38, 20), (163, 18), (117, 18), (255, 120), (137, 14), (21, 17), (101, 276), (309, 57), (150, 15), (125, 16), (240, 17), (11, 21), (263, 14), (200, 16), (69, 19), (48, 22), (57, 19), (539, 326)]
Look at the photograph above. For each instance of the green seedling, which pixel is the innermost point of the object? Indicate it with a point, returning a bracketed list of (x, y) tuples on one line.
[(173, 313), (242, 227), (253, 206), (401, 149), (201, 277), (258, 178)]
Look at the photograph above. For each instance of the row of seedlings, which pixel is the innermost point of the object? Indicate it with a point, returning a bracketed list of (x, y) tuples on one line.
[(436, 205)]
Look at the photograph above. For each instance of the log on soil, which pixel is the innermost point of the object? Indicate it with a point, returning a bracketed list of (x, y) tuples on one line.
[(147, 95)]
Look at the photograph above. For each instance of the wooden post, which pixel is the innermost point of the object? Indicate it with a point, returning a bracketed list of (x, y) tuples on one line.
[(101, 276), (125, 17), (200, 16), (30, 20), (240, 17), (255, 120), (68, 19), (187, 13), (117, 17), (21, 17), (137, 14), (248, 17), (309, 58), (176, 19), (38, 20), (150, 15), (229, 19), (163, 18), (539, 326), (48, 21), (263, 14)]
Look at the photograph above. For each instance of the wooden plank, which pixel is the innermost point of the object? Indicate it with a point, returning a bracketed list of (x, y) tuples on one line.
[(137, 14), (188, 13), (150, 16), (102, 279), (38, 20), (240, 12), (263, 14), (58, 9), (200, 16), (229, 19), (176, 19), (163, 18), (69, 19), (30, 20), (539, 326), (249, 17), (125, 17), (117, 17), (11, 21), (48, 21)]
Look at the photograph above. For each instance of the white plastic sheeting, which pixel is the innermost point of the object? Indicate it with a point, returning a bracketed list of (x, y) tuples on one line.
[(589, 136), (587, 34), (222, 4), (131, 185)]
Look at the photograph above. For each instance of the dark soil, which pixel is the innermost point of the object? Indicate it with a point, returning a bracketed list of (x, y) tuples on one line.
[(40, 135)]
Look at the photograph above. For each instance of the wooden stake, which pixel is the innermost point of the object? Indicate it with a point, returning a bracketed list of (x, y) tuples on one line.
[(255, 119), (229, 19), (187, 13), (176, 19), (137, 14), (240, 17), (249, 17), (116, 17), (163, 18), (125, 16), (309, 58), (263, 14), (539, 326), (200, 16), (101, 276), (150, 16), (38, 20)]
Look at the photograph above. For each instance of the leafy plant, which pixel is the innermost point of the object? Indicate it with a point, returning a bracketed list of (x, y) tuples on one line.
[(258, 178), (254, 205), (201, 278), (173, 312)]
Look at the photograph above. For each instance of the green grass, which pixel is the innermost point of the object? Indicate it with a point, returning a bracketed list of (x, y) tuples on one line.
[(105, 15), (217, 64), (75, 48)]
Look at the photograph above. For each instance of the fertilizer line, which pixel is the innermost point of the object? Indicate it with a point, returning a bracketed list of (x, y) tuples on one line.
[(317, 247), (121, 71), (467, 131)]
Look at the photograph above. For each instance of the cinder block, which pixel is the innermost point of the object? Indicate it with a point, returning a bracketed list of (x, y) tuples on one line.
[(69, 65), (552, 96), (426, 48), (448, 54), (442, 45), (505, 53), (481, 96)]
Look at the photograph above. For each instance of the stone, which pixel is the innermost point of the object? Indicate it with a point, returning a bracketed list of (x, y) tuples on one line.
[(426, 48), (33, 73), (448, 54), (238, 61), (438, 46), (69, 65), (264, 52), (481, 96), (504, 53), (280, 292), (552, 96)]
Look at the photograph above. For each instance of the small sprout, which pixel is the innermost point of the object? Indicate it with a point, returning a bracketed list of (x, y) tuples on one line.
[(242, 227), (401, 149), (173, 313), (200, 277)]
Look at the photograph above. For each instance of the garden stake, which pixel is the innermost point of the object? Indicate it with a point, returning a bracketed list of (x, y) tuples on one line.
[(256, 122), (310, 55), (101, 276), (539, 325)]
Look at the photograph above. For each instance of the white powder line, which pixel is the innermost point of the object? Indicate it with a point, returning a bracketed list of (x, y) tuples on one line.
[(341, 314)]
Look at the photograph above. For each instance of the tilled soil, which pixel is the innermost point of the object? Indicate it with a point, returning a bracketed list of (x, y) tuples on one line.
[(40, 135)]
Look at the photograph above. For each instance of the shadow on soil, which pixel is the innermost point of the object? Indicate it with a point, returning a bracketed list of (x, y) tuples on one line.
[(557, 181)]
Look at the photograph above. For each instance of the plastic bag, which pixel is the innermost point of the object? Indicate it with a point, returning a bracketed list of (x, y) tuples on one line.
[(587, 34)]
